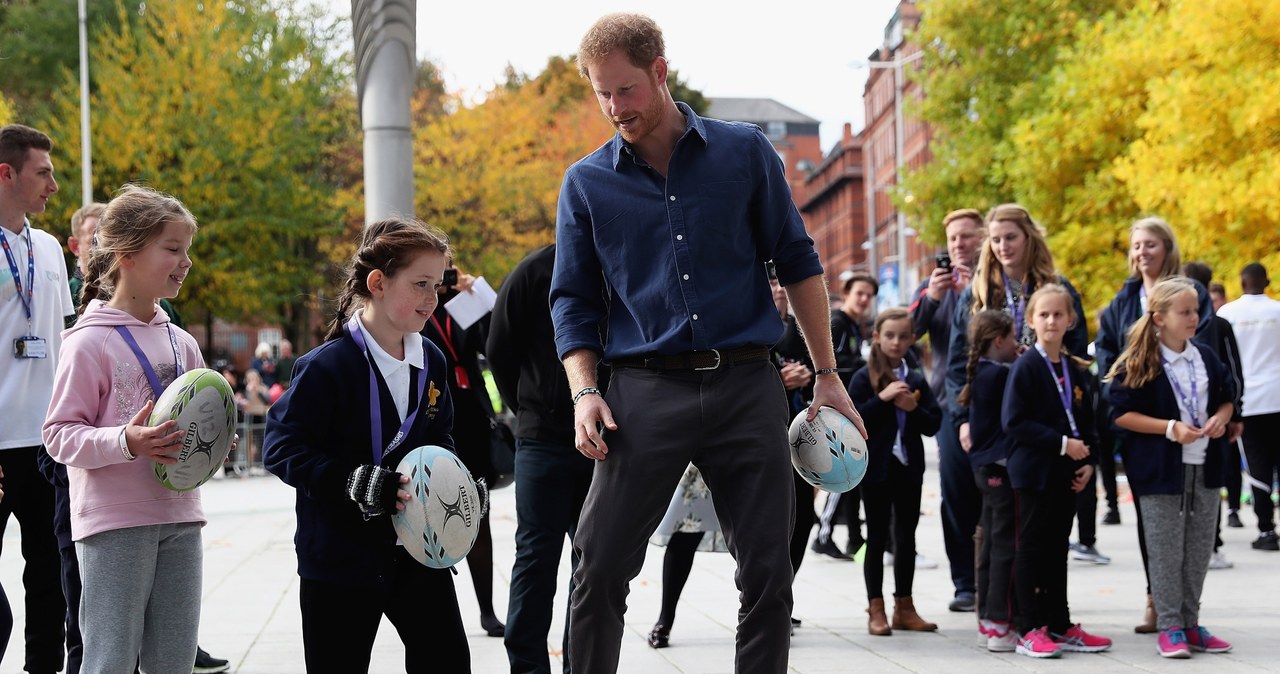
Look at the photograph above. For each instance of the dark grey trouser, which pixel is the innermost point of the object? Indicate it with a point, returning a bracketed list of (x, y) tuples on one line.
[(732, 424), (1180, 529)]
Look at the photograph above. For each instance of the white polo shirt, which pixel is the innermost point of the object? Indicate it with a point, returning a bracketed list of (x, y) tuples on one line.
[(26, 384), (1256, 322)]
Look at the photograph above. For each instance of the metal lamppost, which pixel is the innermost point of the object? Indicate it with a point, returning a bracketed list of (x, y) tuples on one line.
[(384, 32)]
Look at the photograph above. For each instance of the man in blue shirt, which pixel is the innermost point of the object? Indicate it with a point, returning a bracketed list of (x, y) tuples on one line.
[(662, 235)]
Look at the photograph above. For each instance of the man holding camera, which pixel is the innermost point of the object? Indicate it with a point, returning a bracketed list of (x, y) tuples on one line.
[(931, 309)]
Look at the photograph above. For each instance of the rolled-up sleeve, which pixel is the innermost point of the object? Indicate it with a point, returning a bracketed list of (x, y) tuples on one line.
[(778, 224), (577, 298)]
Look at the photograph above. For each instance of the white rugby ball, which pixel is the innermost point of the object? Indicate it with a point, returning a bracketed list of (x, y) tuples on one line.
[(828, 452), (203, 404), (440, 523)]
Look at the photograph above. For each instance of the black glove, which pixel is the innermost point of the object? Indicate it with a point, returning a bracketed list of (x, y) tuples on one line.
[(373, 488), (483, 488)]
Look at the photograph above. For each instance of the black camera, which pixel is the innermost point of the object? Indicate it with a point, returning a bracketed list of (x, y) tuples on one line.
[(450, 278), (943, 260)]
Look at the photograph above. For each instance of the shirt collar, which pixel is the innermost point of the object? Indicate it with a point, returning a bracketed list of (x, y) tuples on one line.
[(692, 122), (413, 353), (1173, 356)]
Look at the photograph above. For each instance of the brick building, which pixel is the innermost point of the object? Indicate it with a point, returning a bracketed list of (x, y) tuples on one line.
[(833, 203), (794, 134)]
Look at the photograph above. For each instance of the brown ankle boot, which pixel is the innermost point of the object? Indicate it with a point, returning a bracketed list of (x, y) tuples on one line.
[(906, 618), (877, 622), (1148, 625)]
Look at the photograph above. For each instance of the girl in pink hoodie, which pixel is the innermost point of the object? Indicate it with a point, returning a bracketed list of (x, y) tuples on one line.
[(135, 539)]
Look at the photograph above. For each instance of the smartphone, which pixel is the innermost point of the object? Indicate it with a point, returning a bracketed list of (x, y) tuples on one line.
[(450, 278), (943, 260)]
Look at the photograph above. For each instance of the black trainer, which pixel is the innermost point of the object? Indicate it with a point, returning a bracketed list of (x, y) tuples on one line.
[(830, 549), (1233, 520), (1112, 516), (1267, 541), (207, 664)]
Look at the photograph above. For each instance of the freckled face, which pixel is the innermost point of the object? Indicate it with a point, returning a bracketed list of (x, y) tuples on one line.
[(410, 297)]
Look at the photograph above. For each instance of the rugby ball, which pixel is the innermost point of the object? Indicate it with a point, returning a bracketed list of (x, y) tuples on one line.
[(203, 404), (828, 452), (439, 524)]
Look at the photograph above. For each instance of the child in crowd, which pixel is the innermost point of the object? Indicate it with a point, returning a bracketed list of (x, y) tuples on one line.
[(993, 345), (898, 408), (1048, 416), (358, 403), (135, 539), (1164, 388)]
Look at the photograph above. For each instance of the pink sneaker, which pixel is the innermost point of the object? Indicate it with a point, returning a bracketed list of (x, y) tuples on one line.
[(1038, 644), (1173, 644), (1077, 640), (1202, 642)]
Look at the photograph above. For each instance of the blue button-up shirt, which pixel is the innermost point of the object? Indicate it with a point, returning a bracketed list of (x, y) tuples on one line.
[(676, 264)]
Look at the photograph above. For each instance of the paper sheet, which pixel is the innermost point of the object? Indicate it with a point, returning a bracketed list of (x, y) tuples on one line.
[(471, 305)]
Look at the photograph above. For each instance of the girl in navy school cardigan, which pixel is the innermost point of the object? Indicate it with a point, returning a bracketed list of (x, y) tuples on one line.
[(1048, 415), (898, 408), (993, 345), (324, 440), (1164, 388)]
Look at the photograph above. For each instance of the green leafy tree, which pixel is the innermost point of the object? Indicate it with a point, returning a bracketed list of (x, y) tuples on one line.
[(986, 67), (236, 108)]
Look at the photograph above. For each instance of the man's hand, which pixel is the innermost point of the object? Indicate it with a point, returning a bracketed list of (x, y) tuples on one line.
[(829, 391), (940, 281), (152, 442), (591, 417), (963, 276)]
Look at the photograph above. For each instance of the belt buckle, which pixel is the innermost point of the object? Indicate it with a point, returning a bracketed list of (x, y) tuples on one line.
[(716, 353)]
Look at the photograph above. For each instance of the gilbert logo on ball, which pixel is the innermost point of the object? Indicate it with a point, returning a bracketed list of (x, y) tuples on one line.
[(828, 452), (203, 404), (440, 522)]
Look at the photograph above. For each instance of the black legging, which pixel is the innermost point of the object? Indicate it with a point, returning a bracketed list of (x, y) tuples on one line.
[(480, 564), (893, 511), (805, 517), (677, 563)]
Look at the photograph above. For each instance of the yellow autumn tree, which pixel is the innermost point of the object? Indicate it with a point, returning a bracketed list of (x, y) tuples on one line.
[(235, 108), (1165, 109), (6, 111)]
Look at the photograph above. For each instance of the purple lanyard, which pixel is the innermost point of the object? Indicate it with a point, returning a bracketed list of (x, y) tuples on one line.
[(375, 398), (901, 371), (145, 362), (1193, 403), (13, 268), (1064, 388), (1017, 310)]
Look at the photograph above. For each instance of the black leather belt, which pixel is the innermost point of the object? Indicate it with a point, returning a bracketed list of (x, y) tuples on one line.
[(696, 360)]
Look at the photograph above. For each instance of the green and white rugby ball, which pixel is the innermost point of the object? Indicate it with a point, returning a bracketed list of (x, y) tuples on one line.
[(203, 404)]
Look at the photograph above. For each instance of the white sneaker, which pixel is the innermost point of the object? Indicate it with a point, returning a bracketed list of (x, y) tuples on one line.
[(1220, 561), (923, 562), (1003, 643)]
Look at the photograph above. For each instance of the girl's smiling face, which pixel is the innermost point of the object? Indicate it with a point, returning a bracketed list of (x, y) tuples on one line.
[(1147, 253), (409, 298), (158, 270)]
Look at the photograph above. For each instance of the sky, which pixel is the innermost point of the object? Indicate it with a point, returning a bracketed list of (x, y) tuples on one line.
[(797, 52)]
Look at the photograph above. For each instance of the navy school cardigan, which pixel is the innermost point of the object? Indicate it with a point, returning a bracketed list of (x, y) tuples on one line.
[(1153, 463), (319, 431), (882, 424), (1033, 416), (990, 443)]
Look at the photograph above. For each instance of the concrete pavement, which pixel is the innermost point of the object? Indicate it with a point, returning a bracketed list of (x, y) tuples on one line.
[(250, 610)]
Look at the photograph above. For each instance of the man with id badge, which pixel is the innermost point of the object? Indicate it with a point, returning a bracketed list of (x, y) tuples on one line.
[(34, 301)]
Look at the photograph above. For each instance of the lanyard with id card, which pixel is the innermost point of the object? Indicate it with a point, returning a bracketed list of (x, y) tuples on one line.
[(29, 345)]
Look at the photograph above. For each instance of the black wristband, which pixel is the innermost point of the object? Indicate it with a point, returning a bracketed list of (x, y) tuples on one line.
[(373, 488), (826, 370)]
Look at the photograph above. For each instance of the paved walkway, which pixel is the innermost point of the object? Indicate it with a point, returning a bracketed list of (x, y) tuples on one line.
[(250, 611)]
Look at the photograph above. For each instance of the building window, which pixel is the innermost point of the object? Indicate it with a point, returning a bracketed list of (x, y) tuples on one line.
[(775, 130)]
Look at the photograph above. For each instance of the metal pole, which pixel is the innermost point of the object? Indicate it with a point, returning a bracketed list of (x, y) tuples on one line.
[(385, 37), (899, 138), (86, 153)]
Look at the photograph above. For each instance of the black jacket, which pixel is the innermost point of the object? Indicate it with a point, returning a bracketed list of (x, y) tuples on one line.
[(1125, 310), (319, 431), (882, 424), (986, 395), (1153, 463), (1033, 417)]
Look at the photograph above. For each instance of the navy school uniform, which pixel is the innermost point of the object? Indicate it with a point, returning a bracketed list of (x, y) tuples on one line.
[(1153, 463), (890, 490), (1034, 417), (352, 569), (988, 456)]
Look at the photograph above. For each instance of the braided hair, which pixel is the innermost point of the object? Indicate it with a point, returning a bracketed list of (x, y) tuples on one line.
[(386, 245), (985, 327)]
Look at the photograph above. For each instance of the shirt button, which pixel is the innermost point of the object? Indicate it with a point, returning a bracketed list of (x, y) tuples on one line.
[(686, 277), (673, 197), (679, 237), (695, 317)]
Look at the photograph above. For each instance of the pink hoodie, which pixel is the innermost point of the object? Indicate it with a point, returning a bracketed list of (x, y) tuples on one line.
[(99, 387)]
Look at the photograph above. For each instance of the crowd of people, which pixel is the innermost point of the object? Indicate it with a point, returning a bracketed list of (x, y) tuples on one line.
[(653, 358)]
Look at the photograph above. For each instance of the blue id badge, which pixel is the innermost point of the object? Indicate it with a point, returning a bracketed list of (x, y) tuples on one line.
[(30, 347)]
